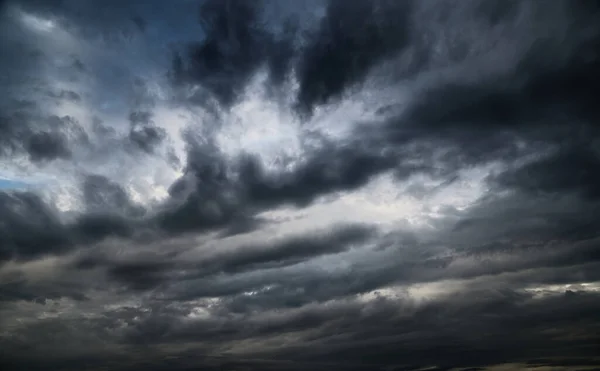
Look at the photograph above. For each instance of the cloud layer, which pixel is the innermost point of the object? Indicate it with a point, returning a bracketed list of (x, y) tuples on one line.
[(352, 185)]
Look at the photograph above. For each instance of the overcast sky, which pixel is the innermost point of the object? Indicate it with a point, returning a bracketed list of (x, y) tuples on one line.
[(299, 185)]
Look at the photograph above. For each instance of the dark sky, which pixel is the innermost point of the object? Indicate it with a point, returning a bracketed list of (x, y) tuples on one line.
[(300, 185)]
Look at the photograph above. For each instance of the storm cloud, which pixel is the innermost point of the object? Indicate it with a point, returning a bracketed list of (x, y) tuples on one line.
[(295, 185)]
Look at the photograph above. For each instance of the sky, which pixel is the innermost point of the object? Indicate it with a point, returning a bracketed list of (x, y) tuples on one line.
[(299, 185)]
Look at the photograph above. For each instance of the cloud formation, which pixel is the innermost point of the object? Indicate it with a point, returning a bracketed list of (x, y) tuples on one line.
[(282, 185)]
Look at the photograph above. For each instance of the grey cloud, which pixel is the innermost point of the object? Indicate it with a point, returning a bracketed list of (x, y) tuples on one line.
[(478, 119), (143, 132), (143, 273), (498, 236), (509, 276), (389, 332), (352, 38), (513, 248), (234, 47), (569, 169), (336, 169), (42, 138), (291, 251), (78, 65), (18, 289), (146, 137), (67, 95), (104, 196), (29, 226), (32, 228), (84, 17), (47, 146)]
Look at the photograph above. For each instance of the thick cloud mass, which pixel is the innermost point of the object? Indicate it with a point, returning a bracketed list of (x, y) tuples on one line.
[(299, 185)]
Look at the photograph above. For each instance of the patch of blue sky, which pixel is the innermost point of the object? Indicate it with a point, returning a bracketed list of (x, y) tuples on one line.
[(12, 184)]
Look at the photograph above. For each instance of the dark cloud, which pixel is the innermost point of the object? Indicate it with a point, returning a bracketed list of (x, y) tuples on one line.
[(32, 228), (41, 138), (214, 193), (279, 280), (352, 38), (139, 275), (29, 226), (235, 45), (291, 251), (382, 334), (562, 362), (477, 120), (567, 170), (336, 169), (242, 225), (18, 289), (526, 97), (100, 193), (150, 244), (78, 65), (497, 11), (47, 146), (67, 95), (159, 269), (455, 347), (143, 132), (339, 54), (502, 236), (139, 22), (205, 207)]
